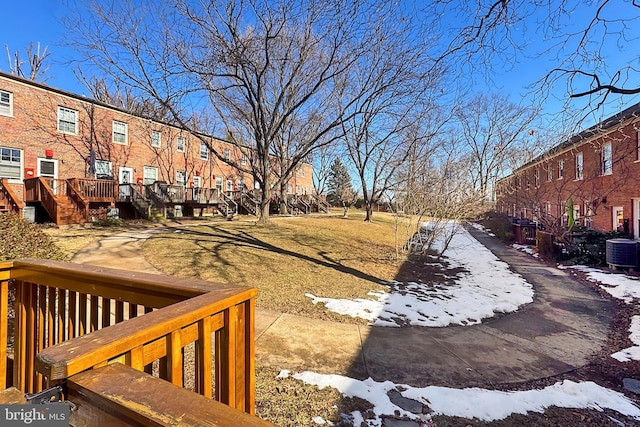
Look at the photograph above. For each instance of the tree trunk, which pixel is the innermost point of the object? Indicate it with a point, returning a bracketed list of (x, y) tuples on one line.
[(283, 199), (265, 202), (369, 211)]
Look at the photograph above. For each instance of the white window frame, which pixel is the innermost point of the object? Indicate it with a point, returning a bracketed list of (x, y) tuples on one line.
[(219, 183), (579, 166), (181, 177), (180, 144), (244, 159), (149, 175), (6, 103), (197, 181), (226, 153), (302, 172), (120, 132), (156, 139), (536, 175), (607, 159), (204, 151), (229, 185), (7, 160), (560, 169), (67, 120), (549, 172), (104, 169)]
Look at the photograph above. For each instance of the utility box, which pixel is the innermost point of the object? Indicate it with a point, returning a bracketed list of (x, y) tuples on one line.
[(29, 213)]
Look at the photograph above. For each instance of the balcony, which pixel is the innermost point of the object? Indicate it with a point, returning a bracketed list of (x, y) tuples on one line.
[(129, 347)]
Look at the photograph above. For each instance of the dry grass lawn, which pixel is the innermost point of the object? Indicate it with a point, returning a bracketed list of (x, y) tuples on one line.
[(325, 256)]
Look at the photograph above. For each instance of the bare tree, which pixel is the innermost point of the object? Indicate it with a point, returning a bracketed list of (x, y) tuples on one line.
[(36, 68), (322, 160), (435, 194), (592, 44), (256, 67), (491, 128)]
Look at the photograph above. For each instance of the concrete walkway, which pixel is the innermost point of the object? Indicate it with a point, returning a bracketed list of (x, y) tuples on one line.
[(561, 330)]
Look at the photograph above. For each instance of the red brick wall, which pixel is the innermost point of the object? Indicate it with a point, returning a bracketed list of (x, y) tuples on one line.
[(33, 128), (602, 192)]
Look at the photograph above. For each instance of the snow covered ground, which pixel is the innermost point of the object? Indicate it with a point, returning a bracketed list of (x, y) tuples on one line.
[(431, 305), (485, 405), (486, 287)]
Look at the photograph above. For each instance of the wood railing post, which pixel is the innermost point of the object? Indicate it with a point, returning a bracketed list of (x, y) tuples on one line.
[(4, 329)]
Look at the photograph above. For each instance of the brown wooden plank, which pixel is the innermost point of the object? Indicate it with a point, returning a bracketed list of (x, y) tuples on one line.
[(41, 316), (204, 382), (106, 312), (94, 312), (4, 330), (117, 393), (119, 311), (82, 314), (30, 333), (62, 323), (20, 339), (71, 316), (135, 358), (250, 356), (74, 356), (174, 358), (51, 317)]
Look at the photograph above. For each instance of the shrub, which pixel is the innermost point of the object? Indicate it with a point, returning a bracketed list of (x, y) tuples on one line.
[(21, 239), (500, 225), (589, 247)]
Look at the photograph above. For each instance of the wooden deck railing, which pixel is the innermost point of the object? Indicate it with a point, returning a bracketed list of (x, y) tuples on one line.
[(38, 189), (202, 195), (8, 198), (95, 190), (70, 318)]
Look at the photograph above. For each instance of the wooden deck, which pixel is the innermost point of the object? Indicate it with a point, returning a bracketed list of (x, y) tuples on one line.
[(75, 325)]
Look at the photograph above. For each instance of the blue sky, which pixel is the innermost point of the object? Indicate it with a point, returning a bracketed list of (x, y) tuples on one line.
[(39, 21)]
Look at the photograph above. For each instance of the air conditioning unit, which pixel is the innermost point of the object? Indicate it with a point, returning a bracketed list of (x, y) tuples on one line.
[(622, 253)]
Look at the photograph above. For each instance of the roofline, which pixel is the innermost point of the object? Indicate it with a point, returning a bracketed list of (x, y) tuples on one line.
[(83, 98), (595, 130)]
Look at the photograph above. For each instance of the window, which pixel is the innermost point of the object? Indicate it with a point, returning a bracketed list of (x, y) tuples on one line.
[(241, 185), (579, 166), (219, 183), (226, 154), (197, 181), (204, 151), (149, 175), (180, 144), (6, 103), (119, 132), (103, 169), (229, 185), (547, 208), (67, 120), (289, 189), (156, 139), (549, 172), (561, 169), (303, 173), (181, 177), (10, 163), (536, 175), (244, 159), (607, 164)]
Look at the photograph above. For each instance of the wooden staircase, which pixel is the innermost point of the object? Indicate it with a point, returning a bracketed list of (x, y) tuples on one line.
[(62, 201)]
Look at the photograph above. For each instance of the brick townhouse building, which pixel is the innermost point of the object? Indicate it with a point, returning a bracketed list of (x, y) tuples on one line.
[(70, 145), (595, 174)]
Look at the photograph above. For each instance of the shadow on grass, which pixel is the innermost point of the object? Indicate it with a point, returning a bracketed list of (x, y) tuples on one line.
[(236, 239)]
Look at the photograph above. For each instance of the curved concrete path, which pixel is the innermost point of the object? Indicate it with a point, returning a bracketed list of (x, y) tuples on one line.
[(564, 327)]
